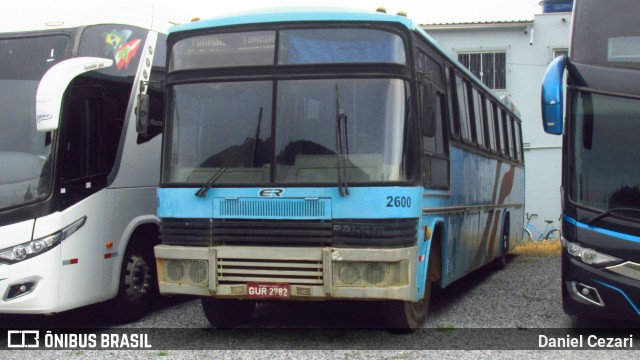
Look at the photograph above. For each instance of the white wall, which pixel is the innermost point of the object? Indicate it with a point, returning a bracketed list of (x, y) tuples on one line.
[(529, 47)]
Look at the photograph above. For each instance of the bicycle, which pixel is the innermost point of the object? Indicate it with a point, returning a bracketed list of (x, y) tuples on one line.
[(530, 232)]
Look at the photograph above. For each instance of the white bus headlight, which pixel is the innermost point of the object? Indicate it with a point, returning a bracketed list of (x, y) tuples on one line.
[(589, 256), (36, 247)]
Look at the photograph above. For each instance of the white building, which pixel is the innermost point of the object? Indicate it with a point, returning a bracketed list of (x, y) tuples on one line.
[(511, 57)]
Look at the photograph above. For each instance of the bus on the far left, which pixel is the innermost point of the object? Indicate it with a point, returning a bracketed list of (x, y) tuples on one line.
[(78, 167)]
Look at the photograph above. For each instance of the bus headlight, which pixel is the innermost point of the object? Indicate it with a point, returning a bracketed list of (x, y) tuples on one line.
[(191, 272), (351, 273), (36, 247), (589, 256)]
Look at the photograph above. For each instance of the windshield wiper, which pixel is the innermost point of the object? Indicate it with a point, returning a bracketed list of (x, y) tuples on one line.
[(255, 138), (342, 147), (609, 212), (202, 192)]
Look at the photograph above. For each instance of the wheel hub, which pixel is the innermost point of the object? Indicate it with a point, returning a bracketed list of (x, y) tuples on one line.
[(137, 278)]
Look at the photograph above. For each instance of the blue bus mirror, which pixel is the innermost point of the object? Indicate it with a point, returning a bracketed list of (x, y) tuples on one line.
[(552, 96)]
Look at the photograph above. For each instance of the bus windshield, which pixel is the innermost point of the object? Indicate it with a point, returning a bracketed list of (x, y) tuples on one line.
[(24, 152), (321, 127), (605, 174)]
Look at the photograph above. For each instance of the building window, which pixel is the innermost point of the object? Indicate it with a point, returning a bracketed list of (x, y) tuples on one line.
[(560, 52), (490, 67)]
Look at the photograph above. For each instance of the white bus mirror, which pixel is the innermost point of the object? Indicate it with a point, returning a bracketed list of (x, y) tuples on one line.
[(53, 85)]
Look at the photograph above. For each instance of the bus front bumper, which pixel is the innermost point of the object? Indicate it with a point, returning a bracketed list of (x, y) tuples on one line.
[(31, 286), (294, 273), (599, 293)]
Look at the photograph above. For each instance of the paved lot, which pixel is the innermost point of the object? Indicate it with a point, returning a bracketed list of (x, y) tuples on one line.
[(488, 310)]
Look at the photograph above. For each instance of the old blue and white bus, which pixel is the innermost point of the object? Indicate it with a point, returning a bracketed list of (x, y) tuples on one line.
[(315, 154), (600, 171)]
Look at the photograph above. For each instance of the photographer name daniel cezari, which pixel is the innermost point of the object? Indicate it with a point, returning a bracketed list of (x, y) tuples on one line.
[(589, 341)]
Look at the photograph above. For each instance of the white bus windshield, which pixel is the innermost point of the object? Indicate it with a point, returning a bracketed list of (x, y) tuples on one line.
[(24, 152)]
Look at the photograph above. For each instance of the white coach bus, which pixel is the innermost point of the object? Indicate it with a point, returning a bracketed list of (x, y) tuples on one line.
[(78, 173)]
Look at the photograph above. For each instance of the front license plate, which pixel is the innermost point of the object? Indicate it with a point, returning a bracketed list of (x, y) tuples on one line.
[(268, 290)]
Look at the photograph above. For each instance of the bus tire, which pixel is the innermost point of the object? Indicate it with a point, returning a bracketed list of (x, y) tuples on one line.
[(405, 317), (138, 286), (501, 261), (227, 313)]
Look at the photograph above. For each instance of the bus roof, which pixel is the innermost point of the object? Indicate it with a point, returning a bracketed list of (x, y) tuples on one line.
[(37, 15), (294, 14), (307, 14)]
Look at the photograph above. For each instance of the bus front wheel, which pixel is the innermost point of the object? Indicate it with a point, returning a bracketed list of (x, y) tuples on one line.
[(404, 317)]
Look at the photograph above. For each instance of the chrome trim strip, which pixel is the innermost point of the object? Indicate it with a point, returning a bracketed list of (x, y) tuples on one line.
[(458, 209), (628, 269)]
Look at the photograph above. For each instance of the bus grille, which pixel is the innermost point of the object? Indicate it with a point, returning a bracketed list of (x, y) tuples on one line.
[(369, 233), (215, 232), (239, 271), (375, 232), (188, 232), (273, 208)]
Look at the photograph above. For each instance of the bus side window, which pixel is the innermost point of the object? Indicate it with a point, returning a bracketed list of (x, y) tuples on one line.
[(500, 135), (454, 117), (463, 109), (512, 145), (435, 158), (506, 133), (515, 141), (478, 117), (490, 123), (519, 141), (92, 133)]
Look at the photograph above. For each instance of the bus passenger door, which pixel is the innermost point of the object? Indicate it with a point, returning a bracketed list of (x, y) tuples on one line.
[(86, 142), (435, 159)]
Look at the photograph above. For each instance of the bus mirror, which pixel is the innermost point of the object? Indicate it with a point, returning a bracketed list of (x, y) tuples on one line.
[(552, 96), (53, 85), (142, 114)]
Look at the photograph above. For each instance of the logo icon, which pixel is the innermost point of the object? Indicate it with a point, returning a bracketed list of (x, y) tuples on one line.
[(271, 192), (23, 338)]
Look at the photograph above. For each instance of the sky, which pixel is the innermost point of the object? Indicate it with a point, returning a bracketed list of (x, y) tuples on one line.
[(422, 12)]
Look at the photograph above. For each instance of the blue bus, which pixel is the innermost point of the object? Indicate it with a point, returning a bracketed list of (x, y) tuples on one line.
[(316, 154), (600, 172)]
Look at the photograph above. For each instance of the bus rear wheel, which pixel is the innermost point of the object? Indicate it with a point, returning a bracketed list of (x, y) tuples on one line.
[(501, 262), (227, 313)]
